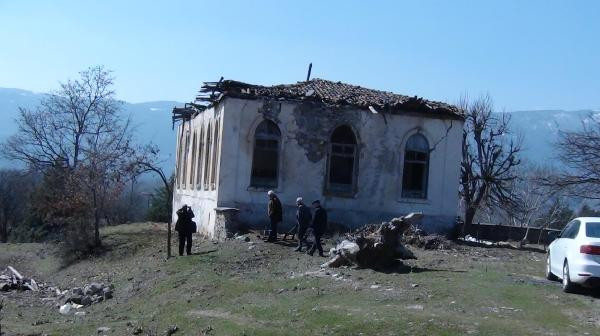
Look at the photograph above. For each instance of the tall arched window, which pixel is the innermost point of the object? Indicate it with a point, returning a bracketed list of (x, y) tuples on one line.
[(215, 156), (180, 146), (193, 163), (200, 158), (343, 160), (207, 157), (186, 150), (265, 160), (416, 167)]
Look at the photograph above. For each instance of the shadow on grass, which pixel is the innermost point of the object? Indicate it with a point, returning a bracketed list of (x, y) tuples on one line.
[(499, 246), (115, 245), (203, 252), (401, 268), (587, 291)]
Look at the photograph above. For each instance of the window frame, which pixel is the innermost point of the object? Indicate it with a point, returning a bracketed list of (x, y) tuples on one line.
[(411, 194), (199, 170), (186, 149), (192, 177), (333, 188), (215, 155), (207, 155), (278, 150)]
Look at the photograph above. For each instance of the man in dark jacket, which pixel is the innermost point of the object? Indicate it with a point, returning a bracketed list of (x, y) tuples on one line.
[(185, 227), (275, 213), (319, 225), (303, 218)]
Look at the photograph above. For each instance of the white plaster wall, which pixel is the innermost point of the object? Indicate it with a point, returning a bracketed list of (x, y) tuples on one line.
[(203, 201), (378, 194)]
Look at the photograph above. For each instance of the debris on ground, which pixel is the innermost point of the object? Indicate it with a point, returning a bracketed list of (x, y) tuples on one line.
[(421, 239), (15, 281), (374, 246), (66, 300)]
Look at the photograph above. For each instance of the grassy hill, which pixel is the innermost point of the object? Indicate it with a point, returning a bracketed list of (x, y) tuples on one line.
[(254, 288)]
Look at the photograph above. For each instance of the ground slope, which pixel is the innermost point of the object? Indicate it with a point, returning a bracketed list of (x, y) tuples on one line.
[(254, 288)]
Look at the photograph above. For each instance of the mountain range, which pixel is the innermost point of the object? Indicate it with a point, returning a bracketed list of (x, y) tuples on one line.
[(152, 123)]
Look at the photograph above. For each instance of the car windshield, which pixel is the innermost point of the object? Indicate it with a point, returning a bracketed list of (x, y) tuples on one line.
[(592, 229)]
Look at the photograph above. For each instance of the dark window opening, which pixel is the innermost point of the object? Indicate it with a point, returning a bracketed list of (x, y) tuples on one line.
[(193, 163), (186, 151), (342, 161), (265, 161), (200, 158), (416, 167), (207, 148), (215, 156)]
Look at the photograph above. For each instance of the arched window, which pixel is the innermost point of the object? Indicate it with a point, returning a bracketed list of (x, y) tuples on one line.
[(193, 163), (343, 161), (265, 160), (200, 158), (207, 147), (416, 167), (215, 156), (186, 150), (179, 168)]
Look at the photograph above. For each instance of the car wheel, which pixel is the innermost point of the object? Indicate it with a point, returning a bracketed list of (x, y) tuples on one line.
[(549, 275), (567, 285)]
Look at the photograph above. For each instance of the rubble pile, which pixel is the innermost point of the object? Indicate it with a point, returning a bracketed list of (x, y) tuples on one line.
[(88, 295), (15, 281), (374, 246), (77, 297), (421, 239)]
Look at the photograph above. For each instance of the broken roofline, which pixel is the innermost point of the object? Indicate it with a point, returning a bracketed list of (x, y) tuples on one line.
[(328, 93)]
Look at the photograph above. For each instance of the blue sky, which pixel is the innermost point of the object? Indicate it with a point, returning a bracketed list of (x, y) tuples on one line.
[(525, 54)]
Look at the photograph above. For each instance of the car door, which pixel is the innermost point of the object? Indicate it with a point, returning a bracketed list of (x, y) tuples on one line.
[(557, 251), (570, 244)]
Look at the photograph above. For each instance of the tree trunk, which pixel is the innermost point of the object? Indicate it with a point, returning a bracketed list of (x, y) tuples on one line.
[(522, 243), (4, 230), (97, 241), (97, 227), (469, 215), (169, 240)]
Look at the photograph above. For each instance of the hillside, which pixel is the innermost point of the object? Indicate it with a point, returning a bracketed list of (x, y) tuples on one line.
[(254, 288)]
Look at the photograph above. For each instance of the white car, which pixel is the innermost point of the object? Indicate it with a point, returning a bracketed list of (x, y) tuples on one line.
[(574, 256)]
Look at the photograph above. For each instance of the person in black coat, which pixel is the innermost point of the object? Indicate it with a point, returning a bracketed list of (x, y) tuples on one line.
[(275, 213), (319, 225), (303, 217), (185, 227)]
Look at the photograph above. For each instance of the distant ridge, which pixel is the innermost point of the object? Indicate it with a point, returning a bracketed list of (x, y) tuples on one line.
[(152, 121)]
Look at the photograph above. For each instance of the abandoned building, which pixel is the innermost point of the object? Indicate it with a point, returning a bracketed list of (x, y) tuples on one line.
[(368, 155)]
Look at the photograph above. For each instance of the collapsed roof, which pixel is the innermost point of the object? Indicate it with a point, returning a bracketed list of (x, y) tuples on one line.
[(329, 93)]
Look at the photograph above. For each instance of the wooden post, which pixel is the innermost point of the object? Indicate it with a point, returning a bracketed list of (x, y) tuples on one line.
[(169, 240)]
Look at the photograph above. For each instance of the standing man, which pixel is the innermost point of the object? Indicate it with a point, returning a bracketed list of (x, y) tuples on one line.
[(303, 217), (275, 213), (185, 227), (319, 224)]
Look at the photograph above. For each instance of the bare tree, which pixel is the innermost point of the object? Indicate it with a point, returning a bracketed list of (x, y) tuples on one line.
[(536, 199), (579, 151), (489, 157), (80, 129)]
